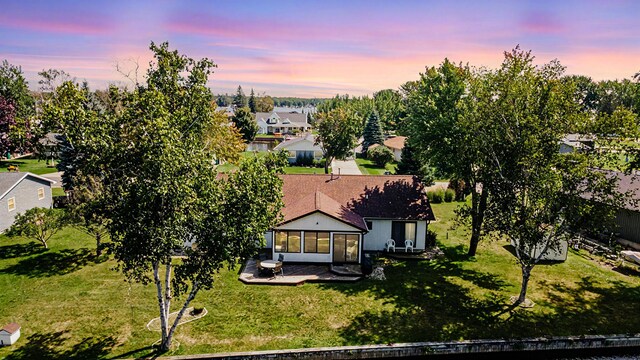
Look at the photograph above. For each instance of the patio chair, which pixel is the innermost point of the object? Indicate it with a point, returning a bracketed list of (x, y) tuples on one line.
[(261, 270), (391, 244), (281, 257), (408, 244), (279, 268)]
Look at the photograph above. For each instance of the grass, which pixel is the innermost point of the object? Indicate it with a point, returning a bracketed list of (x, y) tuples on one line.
[(367, 167), (303, 170), (57, 191), (72, 305), (31, 165)]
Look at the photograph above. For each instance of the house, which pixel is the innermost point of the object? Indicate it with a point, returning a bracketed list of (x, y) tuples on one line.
[(335, 219), (282, 122), (576, 142), (301, 149), (50, 146), (395, 143), (21, 191), (9, 334), (628, 216)]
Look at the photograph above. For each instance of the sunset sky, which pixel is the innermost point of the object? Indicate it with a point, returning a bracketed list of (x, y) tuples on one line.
[(317, 48)]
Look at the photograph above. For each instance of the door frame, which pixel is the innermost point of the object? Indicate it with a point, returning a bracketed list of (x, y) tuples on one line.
[(360, 247)]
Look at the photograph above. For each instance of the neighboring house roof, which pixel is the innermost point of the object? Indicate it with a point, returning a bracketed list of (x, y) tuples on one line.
[(9, 180), (285, 144), (578, 141), (347, 196), (629, 183), (51, 139), (284, 119), (396, 142), (10, 328)]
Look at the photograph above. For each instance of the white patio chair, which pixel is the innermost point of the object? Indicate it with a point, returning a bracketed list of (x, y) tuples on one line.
[(391, 244), (408, 244)]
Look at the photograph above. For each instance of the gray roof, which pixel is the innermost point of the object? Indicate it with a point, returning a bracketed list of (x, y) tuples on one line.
[(296, 119), (51, 139), (8, 180), (286, 143), (629, 183)]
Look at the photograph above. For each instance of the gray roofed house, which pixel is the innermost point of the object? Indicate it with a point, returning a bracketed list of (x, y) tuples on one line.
[(281, 122), (301, 149), (21, 191), (576, 142)]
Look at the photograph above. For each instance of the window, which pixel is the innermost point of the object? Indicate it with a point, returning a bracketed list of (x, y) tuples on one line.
[(40, 193), (369, 225), (11, 203), (316, 242), (287, 241), (403, 230)]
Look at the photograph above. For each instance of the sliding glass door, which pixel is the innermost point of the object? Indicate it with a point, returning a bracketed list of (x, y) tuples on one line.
[(346, 248)]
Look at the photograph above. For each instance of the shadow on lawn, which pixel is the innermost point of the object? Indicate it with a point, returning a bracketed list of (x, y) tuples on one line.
[(49, 346), (441, 301), (54, 263), (20, 250)]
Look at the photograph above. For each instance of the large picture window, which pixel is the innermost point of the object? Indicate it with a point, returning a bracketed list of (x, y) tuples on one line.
[(316, 242), (287, 241)]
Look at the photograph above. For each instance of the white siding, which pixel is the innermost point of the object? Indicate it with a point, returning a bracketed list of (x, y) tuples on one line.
[(317, 222), (380, 232), (269, 237), (397, 154), (314, 257), (6, 339)]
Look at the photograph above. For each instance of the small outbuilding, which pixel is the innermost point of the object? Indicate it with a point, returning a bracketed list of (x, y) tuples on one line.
[(9, 334)]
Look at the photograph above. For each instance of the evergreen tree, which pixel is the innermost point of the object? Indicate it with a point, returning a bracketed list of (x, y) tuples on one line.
[(409, 163), (239, 100), (244, 120), (252, 101), (372, 132)]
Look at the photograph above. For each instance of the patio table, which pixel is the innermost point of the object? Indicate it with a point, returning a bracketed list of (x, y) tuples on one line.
[(273, 265)]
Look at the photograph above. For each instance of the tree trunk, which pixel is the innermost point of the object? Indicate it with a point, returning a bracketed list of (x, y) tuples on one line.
[(166, 344), (44, 242), (478, 207), (526, 273), (161, 304), (327, 162), (98, 244)]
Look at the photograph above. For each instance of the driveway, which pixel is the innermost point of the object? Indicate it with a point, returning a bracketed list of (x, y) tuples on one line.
[(56, 176), (345, 167)]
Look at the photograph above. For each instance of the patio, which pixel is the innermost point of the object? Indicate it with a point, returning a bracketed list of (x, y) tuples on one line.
[(296, 274), (428, 254)]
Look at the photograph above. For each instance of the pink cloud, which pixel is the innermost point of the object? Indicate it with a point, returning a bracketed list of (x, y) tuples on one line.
[(78, 24), (541, 23)]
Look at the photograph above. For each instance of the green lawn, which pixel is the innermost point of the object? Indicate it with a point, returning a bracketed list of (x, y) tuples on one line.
[(303, 170), (57, 191), (367, 167), (73, 305), (35, 166)]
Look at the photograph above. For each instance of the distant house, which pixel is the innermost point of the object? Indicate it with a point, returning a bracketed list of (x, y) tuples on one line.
[(301, 149), (335, 219), (395, 143), (21, 191), (282, 122), (50, 146), (576, 143), (9, 334)]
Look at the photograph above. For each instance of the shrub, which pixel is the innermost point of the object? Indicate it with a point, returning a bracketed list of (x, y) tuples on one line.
[(435, 196), (380, 155), (197, 311), (430, 238), (449, 195)]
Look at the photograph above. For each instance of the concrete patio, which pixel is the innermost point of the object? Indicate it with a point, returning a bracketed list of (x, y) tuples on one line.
[(295, 275)]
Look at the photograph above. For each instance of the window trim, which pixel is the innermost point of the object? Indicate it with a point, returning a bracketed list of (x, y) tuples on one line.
[(275, 237), (9, 200), (43, 193), (304, 245), (404, 222)]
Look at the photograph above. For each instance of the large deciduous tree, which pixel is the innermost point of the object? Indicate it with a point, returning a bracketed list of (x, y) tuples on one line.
[(160, 190), (16, 110), (336, 134), (264, 104), (538, 196), (444, 129)]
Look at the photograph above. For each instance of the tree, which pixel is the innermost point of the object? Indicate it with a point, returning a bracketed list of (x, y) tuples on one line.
[(246, 123), (372, 132), (7, 123), (390, 107), (239, 100), (264, 104), (83, 210), (336, 134), (410, 164), (380, 155), (444, 129), (39, 224), (538, 195), (160, 191), (252, 101), (16, 109)]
